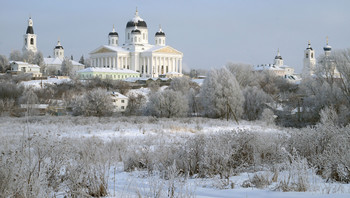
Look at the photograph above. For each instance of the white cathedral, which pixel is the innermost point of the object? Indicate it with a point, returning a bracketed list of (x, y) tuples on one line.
[(137, 54)]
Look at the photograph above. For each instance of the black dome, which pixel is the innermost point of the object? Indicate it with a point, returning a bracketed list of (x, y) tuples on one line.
[(30, 30), (113, 34), (58, 47), (160, 34), (327, 48), (278, 57), (139, 24), (310, 48), (136, 31)]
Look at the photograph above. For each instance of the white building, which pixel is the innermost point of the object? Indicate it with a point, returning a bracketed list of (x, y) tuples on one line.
[(277, 67), (54, 65), (18, 67), (120, 102), (29, 38), (310, 67), (309, 61), (137, 54)]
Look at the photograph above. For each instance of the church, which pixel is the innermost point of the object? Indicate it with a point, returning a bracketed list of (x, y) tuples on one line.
[(309, 66), (52, 65), (137, 54)]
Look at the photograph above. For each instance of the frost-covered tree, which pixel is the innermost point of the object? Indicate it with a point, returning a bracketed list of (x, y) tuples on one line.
[(244, 74), (330, 87), (255, 102), (136, 104), (16, 56), (29, 99), (96, 102), (28, 57), (4, 63), (67, 67), (182, 84), (221, 95), (167, 103), (39, 60)]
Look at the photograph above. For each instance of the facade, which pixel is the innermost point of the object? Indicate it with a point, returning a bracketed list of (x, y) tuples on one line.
[(120, 102), (106, 73), (136, 53), (18, 67), (29, 38), (55, 65)]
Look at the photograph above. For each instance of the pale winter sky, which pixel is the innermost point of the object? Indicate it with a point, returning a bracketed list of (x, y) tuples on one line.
[(209, 33)]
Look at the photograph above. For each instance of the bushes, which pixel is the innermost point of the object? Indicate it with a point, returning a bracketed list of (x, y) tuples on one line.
[(327, 148)]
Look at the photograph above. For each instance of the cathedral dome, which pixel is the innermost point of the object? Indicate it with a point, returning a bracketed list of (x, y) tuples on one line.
[(160, 34), (113, 34), (136, 21), (136, 31), (327, 48), (278, 57), (58, 47)]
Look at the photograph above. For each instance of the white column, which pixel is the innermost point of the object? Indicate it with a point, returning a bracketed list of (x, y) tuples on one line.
[(180, 66), (113, 63), (168, 64), (176, 65), (148, 70)]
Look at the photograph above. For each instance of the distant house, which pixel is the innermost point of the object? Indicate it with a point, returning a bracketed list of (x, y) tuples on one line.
[(120, 101), (106, 73), (18, 67)]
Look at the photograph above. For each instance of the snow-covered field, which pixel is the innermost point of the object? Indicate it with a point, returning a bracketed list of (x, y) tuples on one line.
[(121, 140)]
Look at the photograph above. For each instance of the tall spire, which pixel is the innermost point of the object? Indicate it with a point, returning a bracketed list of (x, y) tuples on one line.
[(136, 12), (160, 28), (113, 28), (327, 40), (278, 52)]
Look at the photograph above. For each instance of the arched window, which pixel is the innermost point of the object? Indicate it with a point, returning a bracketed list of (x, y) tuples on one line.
[(144, 36), (25, 41), (32, 41), (312, 55), (112, 41), (307, 56), (160, 42), (135, 39), (128, 35)]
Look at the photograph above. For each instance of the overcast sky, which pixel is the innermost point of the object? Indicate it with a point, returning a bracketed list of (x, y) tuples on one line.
[(209, 33)]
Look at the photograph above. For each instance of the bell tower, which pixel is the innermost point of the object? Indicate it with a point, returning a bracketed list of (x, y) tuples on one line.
[(58, 52), (30, 38), (309, 61)]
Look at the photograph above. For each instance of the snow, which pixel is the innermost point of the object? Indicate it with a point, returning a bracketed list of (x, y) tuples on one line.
[(135, 183), (37, 83)]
